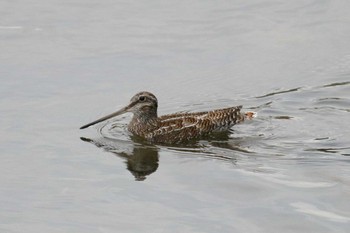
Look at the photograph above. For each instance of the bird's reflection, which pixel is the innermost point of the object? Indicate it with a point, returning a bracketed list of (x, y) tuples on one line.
[(142, 160)]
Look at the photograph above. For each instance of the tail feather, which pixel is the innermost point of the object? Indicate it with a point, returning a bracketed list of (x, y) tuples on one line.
[(250, 115)]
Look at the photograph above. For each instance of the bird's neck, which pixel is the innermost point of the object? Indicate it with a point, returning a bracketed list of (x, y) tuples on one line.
[(143, 123), (147, 115)]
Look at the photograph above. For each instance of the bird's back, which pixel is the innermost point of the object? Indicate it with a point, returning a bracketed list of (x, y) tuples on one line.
[(180, 127)]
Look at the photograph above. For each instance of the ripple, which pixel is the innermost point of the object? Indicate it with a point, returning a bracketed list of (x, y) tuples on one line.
[(11, 27), (337, 84), (116, 130), (279, 92), (277, 177), (283, 117), (310, 209), (299, 183)]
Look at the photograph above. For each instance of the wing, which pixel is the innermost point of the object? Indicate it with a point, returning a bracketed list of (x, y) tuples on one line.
[(181, 115), (179, 127), (223, 119), (176, 129)]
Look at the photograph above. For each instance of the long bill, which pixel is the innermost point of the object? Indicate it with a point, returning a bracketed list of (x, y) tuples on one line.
[(121, 111)]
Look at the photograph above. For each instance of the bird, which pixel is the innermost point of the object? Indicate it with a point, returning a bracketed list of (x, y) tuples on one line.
[(174, 128)]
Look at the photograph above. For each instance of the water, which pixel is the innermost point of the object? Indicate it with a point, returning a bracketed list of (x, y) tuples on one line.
[(66, 63)]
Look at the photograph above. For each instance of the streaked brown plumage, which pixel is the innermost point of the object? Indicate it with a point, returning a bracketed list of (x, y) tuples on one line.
[(177, 127)]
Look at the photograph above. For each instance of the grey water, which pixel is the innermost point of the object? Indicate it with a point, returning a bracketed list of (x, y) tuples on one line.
[(66, 63)]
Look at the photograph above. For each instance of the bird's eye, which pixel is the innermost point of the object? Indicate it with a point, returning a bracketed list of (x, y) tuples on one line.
[(142, 98)]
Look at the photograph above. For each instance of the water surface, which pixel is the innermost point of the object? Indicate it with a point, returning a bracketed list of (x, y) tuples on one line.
[(66, 63)]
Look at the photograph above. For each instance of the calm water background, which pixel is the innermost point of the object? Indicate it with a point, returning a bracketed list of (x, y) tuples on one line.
[(66, 63)]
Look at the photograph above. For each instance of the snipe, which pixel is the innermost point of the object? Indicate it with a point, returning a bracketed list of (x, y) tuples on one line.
[(177, 127)]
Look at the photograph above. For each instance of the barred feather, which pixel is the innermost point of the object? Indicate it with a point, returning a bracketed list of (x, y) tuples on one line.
[(177, 127)]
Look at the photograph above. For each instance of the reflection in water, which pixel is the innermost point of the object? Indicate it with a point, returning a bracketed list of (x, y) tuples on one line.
[(141, 160)]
